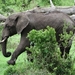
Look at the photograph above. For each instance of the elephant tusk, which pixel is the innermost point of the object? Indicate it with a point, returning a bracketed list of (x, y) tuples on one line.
[(3, 40)]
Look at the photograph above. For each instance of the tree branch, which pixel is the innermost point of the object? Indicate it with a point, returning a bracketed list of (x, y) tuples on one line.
[(51, 3)]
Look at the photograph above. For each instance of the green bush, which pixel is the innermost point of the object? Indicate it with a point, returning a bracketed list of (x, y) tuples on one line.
[(45, 51), (46, 54)]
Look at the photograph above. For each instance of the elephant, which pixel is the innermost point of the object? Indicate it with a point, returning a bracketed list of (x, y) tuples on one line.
[(23, 22)]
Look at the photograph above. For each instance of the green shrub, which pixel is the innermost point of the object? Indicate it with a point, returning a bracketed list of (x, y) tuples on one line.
[(46, 54), (66, 39), (65, 67), (45, 51)]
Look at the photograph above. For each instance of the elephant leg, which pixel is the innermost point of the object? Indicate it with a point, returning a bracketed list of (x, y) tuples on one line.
[(64, 51), (67, 50), (24, 42)]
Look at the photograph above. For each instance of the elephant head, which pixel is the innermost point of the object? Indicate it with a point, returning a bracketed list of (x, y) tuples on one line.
[(14, 24)]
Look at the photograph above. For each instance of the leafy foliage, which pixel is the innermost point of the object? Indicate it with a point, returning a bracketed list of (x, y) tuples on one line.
[(63, 3), (65, 36), (46, 54), (44, 48), (66, 39), (10, 6)]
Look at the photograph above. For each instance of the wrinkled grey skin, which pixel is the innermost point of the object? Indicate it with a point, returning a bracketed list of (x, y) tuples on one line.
[(22, 23)]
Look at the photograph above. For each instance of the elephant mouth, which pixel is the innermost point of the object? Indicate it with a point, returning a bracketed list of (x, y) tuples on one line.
[(3, 40)]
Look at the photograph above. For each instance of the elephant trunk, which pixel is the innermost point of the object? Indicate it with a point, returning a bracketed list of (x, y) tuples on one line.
[(3, 44)]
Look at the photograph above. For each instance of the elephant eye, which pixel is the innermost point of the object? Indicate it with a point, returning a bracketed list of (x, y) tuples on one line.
[(8, 26)]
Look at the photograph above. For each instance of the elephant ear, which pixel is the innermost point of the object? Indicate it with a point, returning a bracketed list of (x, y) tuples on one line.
[(22, 23)]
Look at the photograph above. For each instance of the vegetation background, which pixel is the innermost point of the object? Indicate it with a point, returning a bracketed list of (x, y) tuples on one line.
[(24, 67)]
